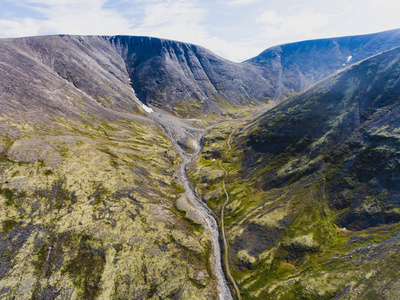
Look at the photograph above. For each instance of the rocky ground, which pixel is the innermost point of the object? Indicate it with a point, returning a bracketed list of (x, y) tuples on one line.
[(94, 210)]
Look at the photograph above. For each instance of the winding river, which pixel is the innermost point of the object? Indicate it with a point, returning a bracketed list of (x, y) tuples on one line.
[(177, 130)]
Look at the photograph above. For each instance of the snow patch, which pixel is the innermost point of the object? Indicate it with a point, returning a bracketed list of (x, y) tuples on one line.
[(147, 109)]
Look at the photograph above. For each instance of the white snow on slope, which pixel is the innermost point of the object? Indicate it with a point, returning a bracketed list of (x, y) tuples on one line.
[(147, 109)]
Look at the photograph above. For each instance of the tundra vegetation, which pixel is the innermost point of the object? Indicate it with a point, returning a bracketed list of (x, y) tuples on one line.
[(88, 211), (92, 205), (313, 187)]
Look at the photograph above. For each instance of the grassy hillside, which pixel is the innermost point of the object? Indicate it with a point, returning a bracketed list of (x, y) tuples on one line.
[(87, 211), (314, 189), (88, 189)]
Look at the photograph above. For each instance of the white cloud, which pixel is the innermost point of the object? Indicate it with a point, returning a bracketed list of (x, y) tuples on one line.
[(348, 7), (64, 16), (23, 27), (183, 13), (270, 17), (234, 29), (183, 20), (303, 25), (384, 4), (241, 2)]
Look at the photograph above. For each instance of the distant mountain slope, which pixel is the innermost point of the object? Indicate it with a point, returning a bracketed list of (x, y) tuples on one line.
[(186, 78), (350, 122), (63, 76), (181, 78), (314, 188), (296, 66)]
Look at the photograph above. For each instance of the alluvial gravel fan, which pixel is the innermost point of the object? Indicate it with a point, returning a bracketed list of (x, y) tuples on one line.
[(99, 136)]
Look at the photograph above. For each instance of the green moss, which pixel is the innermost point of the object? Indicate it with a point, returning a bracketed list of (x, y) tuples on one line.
[(178, 188), (101, 193), (86, 268), (188, 108), (197, 284), (113, 158), (108, 127), (48, 172), (58, 196), (41, 163), (9, 195), (191, 226), (40, 260), (8, 225)]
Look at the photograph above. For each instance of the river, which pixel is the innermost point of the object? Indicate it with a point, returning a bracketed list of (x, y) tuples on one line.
[(178, 132)]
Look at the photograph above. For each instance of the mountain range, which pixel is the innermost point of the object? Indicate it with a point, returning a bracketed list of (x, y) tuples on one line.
[(294, 153)]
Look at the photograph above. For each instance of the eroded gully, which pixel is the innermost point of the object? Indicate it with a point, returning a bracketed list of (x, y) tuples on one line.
[(179, 132)]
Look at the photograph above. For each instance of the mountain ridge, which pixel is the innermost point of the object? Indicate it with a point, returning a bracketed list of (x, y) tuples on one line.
[(299, 65), (189, 80)]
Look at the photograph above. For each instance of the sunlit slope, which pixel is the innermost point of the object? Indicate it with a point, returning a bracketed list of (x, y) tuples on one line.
[(87, 182)]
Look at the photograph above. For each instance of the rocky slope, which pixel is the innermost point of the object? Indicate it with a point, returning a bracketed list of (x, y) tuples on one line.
[(291, 68), (92, 202), (187, 79), (184, 79), (314, 189), (88, 193)]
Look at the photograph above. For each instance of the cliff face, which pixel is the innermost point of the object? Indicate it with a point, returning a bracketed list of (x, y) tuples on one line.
[(294, 67), (186, 79)]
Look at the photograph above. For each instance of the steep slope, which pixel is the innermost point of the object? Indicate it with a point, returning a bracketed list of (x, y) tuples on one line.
[(314, 188), (188, 79), (89, 195), (64, 74), (183, 79), (293, 67)]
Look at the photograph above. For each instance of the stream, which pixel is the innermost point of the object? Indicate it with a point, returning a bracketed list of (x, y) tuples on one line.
[(179, 132)]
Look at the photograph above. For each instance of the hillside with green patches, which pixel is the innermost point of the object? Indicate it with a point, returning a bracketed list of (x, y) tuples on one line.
[(88, 211), (313, 185), (103, 197), (88, 185)]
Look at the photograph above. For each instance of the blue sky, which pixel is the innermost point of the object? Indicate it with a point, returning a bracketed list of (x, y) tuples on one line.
[(233, 29)]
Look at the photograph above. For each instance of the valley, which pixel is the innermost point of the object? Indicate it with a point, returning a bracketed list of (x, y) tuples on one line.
[(142, 168)]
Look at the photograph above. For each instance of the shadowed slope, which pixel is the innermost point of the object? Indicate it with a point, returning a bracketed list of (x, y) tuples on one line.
[(188, 79), (314, 188)]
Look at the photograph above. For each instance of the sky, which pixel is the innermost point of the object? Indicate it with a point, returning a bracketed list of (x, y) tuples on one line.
[(234, 29)]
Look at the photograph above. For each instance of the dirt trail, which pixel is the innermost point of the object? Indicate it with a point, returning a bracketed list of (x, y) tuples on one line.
[(186, 137), (228, 272)]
